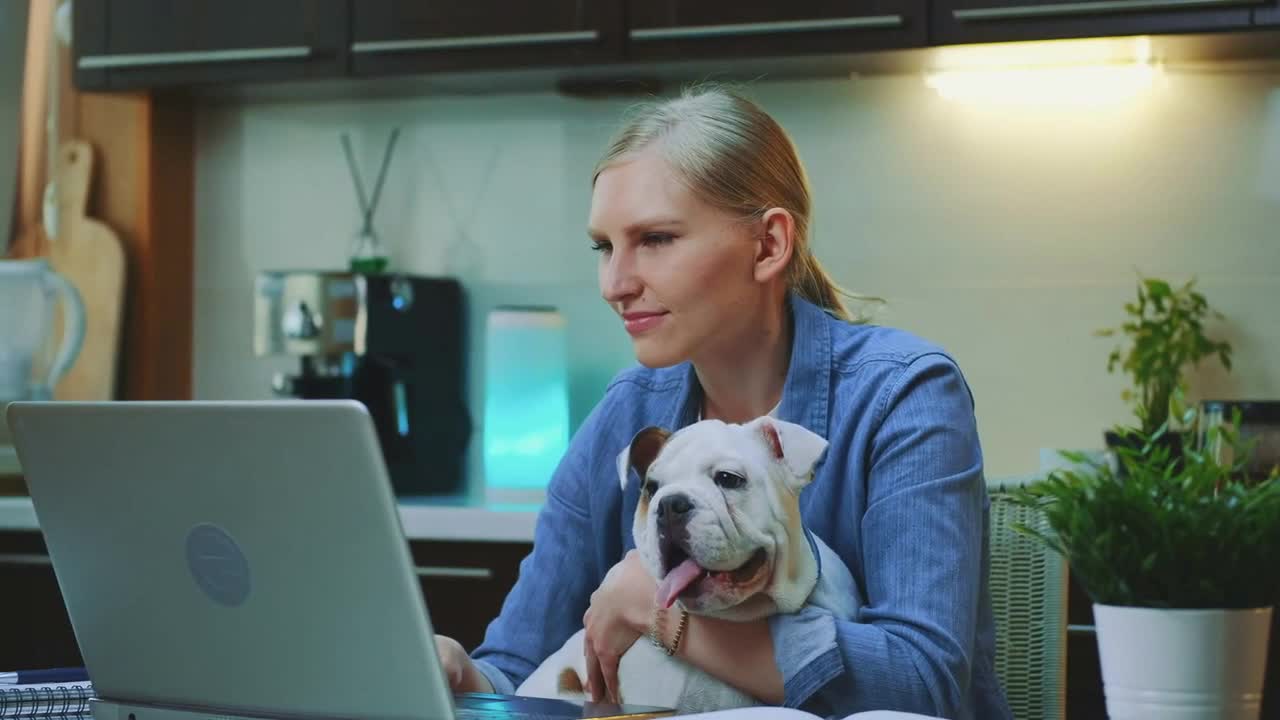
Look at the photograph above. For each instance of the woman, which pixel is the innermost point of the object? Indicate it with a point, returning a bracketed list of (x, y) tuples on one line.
[(700, 213)]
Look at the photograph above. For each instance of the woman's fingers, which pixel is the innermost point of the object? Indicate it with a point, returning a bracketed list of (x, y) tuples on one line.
[(595, 675), (609, 668), (449, 661)]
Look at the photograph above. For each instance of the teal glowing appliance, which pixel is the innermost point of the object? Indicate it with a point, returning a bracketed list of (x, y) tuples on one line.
[(526, 408)]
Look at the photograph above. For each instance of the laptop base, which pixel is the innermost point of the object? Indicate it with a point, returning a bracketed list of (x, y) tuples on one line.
[(467, 706)]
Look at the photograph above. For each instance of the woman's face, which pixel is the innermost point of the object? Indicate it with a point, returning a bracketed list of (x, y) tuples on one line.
[(679, 272)]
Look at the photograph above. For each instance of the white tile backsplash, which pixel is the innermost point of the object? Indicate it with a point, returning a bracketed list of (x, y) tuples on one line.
[(1006, 235)]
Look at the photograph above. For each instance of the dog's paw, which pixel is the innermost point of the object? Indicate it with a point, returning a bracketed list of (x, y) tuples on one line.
[(571, 686), (568, 682)]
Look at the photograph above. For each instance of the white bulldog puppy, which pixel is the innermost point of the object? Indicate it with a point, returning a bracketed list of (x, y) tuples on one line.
[(718, 526)]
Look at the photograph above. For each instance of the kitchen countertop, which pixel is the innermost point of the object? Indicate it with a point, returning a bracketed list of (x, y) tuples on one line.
[(464, 518), (423, 518)]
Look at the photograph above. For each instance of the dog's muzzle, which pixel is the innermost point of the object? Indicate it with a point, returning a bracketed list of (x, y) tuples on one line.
[(673, 512)]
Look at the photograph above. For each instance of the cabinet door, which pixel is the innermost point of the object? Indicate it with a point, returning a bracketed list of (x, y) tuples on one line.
[(968, 21), (37, 632), (126, 44), (678, 29), (1267, 15), (409, 36), (465, 583)]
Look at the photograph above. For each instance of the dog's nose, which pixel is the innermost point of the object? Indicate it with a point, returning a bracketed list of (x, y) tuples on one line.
[(674, 509)]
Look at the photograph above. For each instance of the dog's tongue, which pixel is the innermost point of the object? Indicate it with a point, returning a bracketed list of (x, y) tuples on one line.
[(677, 581)]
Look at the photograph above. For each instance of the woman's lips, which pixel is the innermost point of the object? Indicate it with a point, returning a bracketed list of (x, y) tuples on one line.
[(637, 323)]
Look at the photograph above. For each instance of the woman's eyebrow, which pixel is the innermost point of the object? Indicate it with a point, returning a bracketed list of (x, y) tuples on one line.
[(637, 227), (649, 223)]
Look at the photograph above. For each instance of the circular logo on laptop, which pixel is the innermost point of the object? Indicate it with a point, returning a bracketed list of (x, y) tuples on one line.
[(217, 565)]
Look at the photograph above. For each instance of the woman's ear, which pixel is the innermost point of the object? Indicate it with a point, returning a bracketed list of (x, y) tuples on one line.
[(776, 245)]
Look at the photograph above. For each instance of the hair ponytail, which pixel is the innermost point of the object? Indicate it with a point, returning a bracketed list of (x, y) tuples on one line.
[(806, 276)]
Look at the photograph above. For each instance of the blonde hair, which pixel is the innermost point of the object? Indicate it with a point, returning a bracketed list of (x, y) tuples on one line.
[(736, 157)]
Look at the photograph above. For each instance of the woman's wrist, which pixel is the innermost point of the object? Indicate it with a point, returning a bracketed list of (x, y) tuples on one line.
[(476, 680), (668, 628), (641, 619)]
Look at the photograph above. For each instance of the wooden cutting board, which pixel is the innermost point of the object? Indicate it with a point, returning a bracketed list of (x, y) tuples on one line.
[(89, 254)]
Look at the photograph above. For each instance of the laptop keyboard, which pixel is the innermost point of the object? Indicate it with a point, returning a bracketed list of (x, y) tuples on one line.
[(505, 714)]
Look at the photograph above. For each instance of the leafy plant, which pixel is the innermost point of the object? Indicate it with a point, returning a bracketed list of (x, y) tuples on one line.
[(1194, 534), (1166, 333)]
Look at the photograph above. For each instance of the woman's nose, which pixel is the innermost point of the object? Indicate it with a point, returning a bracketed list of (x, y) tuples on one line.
[(618, 279)]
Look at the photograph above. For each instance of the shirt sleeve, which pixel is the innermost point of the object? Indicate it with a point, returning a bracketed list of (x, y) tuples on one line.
[(556, 579), (911, 647)]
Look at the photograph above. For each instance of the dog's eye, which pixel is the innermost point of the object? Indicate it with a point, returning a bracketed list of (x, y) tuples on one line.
[(649, 488), (728, 480)]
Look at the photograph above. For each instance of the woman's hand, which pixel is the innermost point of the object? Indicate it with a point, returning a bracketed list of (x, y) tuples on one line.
[(463, 675), (619, 614)]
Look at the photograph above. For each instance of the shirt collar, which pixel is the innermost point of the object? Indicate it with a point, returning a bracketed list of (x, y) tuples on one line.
[(805, 393), (813, 545)]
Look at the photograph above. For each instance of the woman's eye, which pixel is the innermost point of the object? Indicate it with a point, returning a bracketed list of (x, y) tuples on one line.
[(652, 239), (728, 480), (600, 246), (650, 487)]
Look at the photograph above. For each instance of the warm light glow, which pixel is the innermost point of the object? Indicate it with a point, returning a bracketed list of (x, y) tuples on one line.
[(1045, 53), (1088, 86), (1068, 74)]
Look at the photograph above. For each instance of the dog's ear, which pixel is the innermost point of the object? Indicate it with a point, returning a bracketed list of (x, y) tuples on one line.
[(640, 453), (797, 447)]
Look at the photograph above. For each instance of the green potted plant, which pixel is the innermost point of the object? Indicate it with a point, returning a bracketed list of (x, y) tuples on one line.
[(1165, 333), (1180, 560)]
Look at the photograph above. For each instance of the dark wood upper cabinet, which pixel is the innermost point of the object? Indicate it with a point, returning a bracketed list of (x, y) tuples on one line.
[(135, 44), (125, 44), (408, 36), (969, 21), (1267, 15), (678, 29)]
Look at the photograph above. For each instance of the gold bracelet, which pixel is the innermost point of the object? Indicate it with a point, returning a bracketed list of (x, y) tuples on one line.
[(684, 623), (655, 628)]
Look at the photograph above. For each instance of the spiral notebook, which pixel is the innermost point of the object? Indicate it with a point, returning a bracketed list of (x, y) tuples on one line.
[(45, 699)]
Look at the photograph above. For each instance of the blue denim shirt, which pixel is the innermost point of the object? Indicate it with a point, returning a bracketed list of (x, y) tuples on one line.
[(899, 495)]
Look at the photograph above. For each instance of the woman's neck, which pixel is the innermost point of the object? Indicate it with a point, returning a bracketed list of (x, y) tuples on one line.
[(745, 382)]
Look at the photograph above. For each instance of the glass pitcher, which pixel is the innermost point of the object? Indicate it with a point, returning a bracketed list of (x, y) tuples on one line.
[(27, 305)]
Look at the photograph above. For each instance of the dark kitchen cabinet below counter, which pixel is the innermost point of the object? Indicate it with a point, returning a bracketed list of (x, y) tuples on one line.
[(37, 632), (465, 583)]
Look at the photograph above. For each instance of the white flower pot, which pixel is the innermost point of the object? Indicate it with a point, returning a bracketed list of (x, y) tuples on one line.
[(1182, 664)]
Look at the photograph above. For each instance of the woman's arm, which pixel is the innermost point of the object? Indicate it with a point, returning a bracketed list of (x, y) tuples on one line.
[(624, 610), (914, 643), (555, 581), (738, 653)]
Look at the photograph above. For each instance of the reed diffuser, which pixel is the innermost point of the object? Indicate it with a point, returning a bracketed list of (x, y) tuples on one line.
[(368, 255)]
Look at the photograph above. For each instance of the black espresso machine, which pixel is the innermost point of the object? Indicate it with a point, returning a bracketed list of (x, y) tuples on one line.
[(392, 342)]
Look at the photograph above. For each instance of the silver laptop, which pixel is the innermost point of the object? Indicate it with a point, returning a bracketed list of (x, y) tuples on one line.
[(239, 558)]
